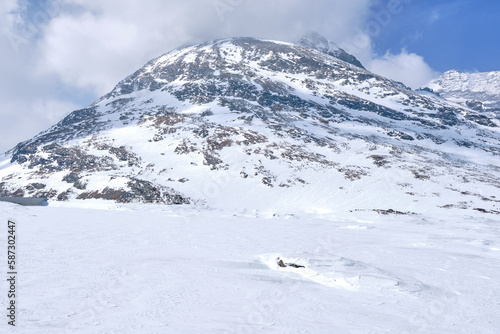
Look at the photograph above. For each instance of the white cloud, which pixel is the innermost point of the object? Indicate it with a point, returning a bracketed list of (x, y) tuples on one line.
[(88, 52), (30, 102), (7, 5), (19, 118), (435, 16), (53, 110), (100, 42), (408, 68), (8, 18)]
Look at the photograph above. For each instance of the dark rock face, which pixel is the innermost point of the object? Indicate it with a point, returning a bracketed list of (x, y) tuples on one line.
[(76, 180), (475, 105), (138, 191)]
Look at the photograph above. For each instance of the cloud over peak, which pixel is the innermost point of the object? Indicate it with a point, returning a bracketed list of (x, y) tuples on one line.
[(409, 68)]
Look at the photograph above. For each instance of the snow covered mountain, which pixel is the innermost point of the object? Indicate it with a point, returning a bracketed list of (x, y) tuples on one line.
[(479, 91), (244, 123)]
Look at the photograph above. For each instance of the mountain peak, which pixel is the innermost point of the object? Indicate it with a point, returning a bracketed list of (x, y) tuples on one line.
[(316, 41)]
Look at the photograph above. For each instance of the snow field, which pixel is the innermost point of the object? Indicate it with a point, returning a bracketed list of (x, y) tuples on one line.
[(165, 269)]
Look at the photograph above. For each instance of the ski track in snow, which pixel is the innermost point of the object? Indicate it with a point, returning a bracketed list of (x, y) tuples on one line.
[(163, 269)]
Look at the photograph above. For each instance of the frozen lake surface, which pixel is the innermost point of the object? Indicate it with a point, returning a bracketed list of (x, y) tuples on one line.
[(165, 269)]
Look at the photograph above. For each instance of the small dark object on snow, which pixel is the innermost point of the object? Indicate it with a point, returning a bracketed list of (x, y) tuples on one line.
[(283, 265)]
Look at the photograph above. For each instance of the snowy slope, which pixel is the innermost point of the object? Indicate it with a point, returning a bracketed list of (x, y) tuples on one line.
[(458, 86), (251, 124)]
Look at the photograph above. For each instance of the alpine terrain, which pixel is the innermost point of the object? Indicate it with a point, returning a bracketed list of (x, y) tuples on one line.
[(253, 186), (275, 125)]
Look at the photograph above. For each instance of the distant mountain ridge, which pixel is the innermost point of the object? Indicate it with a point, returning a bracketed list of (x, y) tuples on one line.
[(470, 87), (245, 123)]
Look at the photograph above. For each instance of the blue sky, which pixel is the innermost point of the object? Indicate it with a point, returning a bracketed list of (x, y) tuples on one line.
[(61, 55), (462, 35)]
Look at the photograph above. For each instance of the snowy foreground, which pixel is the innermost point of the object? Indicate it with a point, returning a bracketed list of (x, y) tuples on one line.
[(167, 269)]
